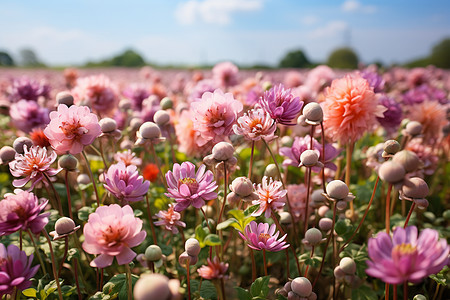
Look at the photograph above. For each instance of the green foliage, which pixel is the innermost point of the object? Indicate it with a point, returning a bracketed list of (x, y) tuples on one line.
[(343, 58), (6, 60), (205, 238), (440, 55), (364, 293), (443, 277), (118, 286), (258, 290), (295, 59), (129, 58), (207, 290)]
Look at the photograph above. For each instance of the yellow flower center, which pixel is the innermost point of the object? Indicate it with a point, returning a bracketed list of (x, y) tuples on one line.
[(263, 237), (404, 249)]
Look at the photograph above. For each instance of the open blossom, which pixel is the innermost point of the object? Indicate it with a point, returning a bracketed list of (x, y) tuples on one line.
[(28, 89), (137, 94), (72, 128), (34, 164), (271, 197), (111, 231), (125, 183), (225, 74), (27, 115), (188, 187), (263, 237), (22, 211), (431, 114), (128, 157), (393, 115), (255, 125), (214, 270), (170, 219), (15, 269), (406, 257), (188, 138), (281, 104), (214, 116)]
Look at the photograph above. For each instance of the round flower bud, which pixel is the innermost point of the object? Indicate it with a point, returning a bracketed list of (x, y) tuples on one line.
[(64, 225), (135, 123), (192, 247), (68, 162), (415, 187), (348, 265), (107, 125), (309, 158), (267, 85), (184, 257), (287, 286), (149, 130), (317, 198), (125, 104), (313, 296), (166, 103), (152, 286), (285, 217), (341, 205), (391, 147), (293, 296), (446, 214), (408, 159), (325, 224), (313, 236), (323, 210), (419, 297), (421, 203), (337, 189), (301, 286), (338, 273), (313, 112), (153, 253), (222, 151), (161, 117), (242, 186), (271, 171), (301, 120), (20, 142), (83, 179), (7, 154), (413, 128), (391, 171), (64, 97), (286, 141)]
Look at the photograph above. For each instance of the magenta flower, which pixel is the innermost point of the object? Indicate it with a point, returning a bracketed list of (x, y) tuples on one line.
[(214, 116), (34, 164), (15, 269), (170, 219), (28, 89), (214, 270), (72, 128), (255, 125), (111, 231), (190, 188), (27, 115), (262, 237), (282, 106), (137, 94), (22, 211), (393, 116), (271, 197), (406, 257), (125, 183)]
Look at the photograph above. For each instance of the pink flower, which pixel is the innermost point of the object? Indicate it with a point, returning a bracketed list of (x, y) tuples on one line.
[(34, 165), (21, 211), (262, 237), (282, 106), (111, 231), (225, 74), (214, 270), (72, 128), (128, 157), (170, 219), (271, 197), (255, 125), (214, 116), (431, 114), (190, 188), (350, 109), (188, 138), (27, 115), (297, 196)]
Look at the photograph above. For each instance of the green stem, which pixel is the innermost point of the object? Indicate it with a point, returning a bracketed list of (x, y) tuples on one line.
[(38, 253), (130, 283), (250, 167), (55, 274), (152, 227), (265, 261), (58, 200), (92, 177)]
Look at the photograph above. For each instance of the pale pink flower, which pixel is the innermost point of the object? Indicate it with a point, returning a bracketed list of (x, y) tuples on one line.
[(225, 74), (271, 197), (255, 125), (72, 128), (170, 219), (214, 270), (188, 138), (128, 157)]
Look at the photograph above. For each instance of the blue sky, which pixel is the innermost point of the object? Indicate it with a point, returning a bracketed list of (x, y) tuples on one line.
[(207, 31)]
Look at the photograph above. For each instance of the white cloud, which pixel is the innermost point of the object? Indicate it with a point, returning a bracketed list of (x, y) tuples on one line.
[(356, 6), (310, 20), (214, 11), (331, 29)]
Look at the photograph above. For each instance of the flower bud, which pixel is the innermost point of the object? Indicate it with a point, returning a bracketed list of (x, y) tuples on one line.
[(408, 159), (107, 125), (337, 189), (287, 141), (317, 199), (285, 218), (149, 130), (313, 236), (313, 296), (267, 85), (419, 297), (135, 123), (242, 186), (184, 257), (301, 286), (293, 296), (152, 286), (415, 188), (413, 128), (391, 171), (313, 113), (309, 158), (161, 118), (323, 210), (166, 103), (287, 286), (341, 205), (338, 273), (20, 142), (271, 171), (153, 253), (192, 247), (391, 147), (348, 265), (222, 151), (125, 104), (325, 224), (64, 97), (7, 154), (68, 162), (64, 225), (83, 179)]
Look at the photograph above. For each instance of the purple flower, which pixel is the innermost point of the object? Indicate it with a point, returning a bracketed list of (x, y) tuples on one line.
[(27, 115), (203, 86), (392, 116), (423, 93), (375, 81), (125, 183), (22, 211), (15, 269), (262, 237), (27, 89), (188, 187), (137, 94), (406, 257), (282, 106)]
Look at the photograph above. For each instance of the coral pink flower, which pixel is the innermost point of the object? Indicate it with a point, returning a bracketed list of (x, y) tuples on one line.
[(214, 116), (255, 125), (431, 114), (34, 164), (188, 138), (281, 104), (170, 219), (350, 109), (262, 237), (271, 197), (72, 128), (214, 270), (128, 157), (111, 231), (225, 74), (39, 139)]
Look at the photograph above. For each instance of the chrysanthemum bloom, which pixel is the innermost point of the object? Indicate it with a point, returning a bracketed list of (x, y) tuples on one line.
[(256, 124), (214, 116), (214, 270), (27, 89), (125, 183), (33, 164), (262, 237), (406, 257), (271, 197), (137, 94), (128, 157), (350, 109), (188, 187), (319, 77), (111, 231), (150, 172), (39, 139), (27, 114), (225, 74), (282, 106), (393, 116), (72, 128), (431, 115), (170, 219), (21, 211), (188, 138), (15, 269)]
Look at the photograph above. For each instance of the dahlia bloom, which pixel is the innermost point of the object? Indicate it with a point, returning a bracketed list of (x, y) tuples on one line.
[(72, 128), (137, 94), (125, 183), (128, 157), (15, 269), (214, 116), (21, 211), (255, 125), (188, 187), (406, 257), (170, 219), (214, 270), (28, 89), (350, 109), (262, 237), (33, 164), (225, 74), (319, 77), (392, 117), (27, 114), (271, 197), (431, 115), (111, 231), (282, 106), (188, 138)]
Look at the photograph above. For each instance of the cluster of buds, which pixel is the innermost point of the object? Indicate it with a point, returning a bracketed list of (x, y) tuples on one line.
[(149, 132), (346, 272), (190, 255), (222, 154), (152, 257), (299, 288), (241, 189), (337, 191)]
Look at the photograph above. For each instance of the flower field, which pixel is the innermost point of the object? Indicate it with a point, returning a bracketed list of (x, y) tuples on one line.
[(225, 183)]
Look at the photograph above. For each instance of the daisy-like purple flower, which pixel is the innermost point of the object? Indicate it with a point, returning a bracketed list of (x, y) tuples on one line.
[(125, 183), (28, 89), (406, 257), (22, 211), (188, 187), (282, 106), (27, 115), (256, 124), (271, 197), (15, 269), (263, 237)]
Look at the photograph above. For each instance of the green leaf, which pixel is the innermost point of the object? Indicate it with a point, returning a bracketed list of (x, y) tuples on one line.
[(281, 297), (200, 235), (29, 293), (73, 253), (84, 212), (260, 287), (243, 294), (207, 290), (137, 213), (442, 277), (118, 286), (50, 287), (212, 240), (225, 224), (364, 293), (237, 214), (342, 226), (166, 249), (84, 187), (251, 210)]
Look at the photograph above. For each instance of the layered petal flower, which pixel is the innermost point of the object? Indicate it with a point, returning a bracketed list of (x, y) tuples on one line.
[(263, 236), (281, 104), (170, 219), (213, 270), (255, 125), (271, 197)]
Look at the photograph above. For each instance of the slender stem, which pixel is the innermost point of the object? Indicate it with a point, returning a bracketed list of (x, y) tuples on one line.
[(394, 291), (348, 165), (130, 283), (206, 219), (150, 220), (253, 264), (66, 248), (69, 200), (288, 273), (55, 274), (20, 239), (308, 183), (188, 275), (437, 290), (161, 176), (224, 191), (222, 287), (388, 217), (58, 200), (409, 214), (38, 253), (307, 266), (322, 172), (75, 270), (250, 167), (92, 177), (101, 153), (265, 261), (386, 291), (405, 290)]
